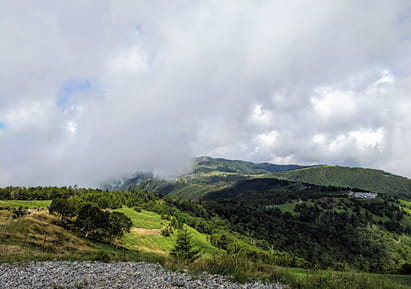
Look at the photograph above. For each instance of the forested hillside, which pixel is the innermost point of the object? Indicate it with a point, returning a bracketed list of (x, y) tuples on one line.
[(322, 225), (366, 179), (208, 164), (231, 211), (261, 221), (207, 174), (210, 174)]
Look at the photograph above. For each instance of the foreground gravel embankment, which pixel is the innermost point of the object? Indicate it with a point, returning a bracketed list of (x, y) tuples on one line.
[(56, 274)]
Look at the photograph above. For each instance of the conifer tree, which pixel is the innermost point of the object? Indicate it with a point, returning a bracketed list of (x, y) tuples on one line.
[(184, 251)]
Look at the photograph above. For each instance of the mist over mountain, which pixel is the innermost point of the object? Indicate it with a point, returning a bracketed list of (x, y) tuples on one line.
[(211, 174)]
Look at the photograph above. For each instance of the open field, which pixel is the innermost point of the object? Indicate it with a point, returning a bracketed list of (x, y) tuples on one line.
[(24, 204), (146, 234)]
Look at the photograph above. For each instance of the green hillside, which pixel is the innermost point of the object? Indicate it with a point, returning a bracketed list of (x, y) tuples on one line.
[(190, 187), (210, 174), (208, 164), (320, 224), (367, 179), (207, 174), (257, 228), (38, 236), (145, 235)]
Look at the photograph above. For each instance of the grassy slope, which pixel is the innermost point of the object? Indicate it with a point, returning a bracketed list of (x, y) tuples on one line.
[(191, 187), (23, 239), (36, 237), (366, 179), (351, 280), (151, 240), (24, 204)]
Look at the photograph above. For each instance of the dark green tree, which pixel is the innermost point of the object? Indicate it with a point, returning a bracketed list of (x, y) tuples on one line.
[(184, 250), (118, 224), (64, 208), (91, 221), (405, 269), (101, 225)]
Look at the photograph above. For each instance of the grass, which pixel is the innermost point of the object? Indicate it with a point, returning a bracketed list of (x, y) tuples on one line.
[(406, 206), (289, 207), (240, 269), (36, 238), (149, 238), (144, 219), (24, 204), (350, 280)]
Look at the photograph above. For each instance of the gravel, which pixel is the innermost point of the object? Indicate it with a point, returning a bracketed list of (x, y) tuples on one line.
[(86, 274)]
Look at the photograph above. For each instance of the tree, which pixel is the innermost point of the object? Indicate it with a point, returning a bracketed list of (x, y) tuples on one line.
[(405, 269), (118, 224), (184, 251), (65, 208), (91, 220), (101, 225)]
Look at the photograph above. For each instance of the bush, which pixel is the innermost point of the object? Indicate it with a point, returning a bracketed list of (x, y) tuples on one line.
[(166, 232), (405, 269), (19, 212), (102, 256)]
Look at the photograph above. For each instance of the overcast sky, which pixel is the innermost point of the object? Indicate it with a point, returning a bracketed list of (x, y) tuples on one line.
[(92, 90)]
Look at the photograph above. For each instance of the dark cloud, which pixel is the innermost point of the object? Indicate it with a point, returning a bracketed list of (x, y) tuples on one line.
[(96, 89)]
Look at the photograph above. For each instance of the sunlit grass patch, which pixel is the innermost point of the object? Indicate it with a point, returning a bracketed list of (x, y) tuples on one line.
[(25, 204)]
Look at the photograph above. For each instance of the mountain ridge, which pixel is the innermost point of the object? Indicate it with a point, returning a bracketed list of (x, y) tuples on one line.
[(211, 174), (373, 180)]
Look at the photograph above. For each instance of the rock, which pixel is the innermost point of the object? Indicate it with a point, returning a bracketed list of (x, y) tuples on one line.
[(87, 274)]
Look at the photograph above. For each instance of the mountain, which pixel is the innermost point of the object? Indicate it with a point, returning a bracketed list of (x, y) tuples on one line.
[(208, 164), (238, 221), (190, 187), (367, 179), (207, 175), (124, 183), (213, 174)]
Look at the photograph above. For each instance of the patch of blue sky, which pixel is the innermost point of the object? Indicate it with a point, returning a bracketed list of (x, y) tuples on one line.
[(69, 88), (2, 125)]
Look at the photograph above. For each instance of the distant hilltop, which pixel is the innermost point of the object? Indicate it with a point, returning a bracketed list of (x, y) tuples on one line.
[(208, 171)]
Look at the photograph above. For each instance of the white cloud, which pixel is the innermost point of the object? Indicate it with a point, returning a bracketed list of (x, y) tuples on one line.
[(130, 61), (71, 128), (261, 117), (267, 140), (360, 139), (328, 102), (319, 139), (265, 80)]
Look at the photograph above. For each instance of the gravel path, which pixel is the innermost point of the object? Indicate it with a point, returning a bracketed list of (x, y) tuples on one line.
[(56, 274)]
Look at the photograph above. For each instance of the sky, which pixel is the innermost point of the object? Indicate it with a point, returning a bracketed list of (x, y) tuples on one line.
[(91, 90)]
